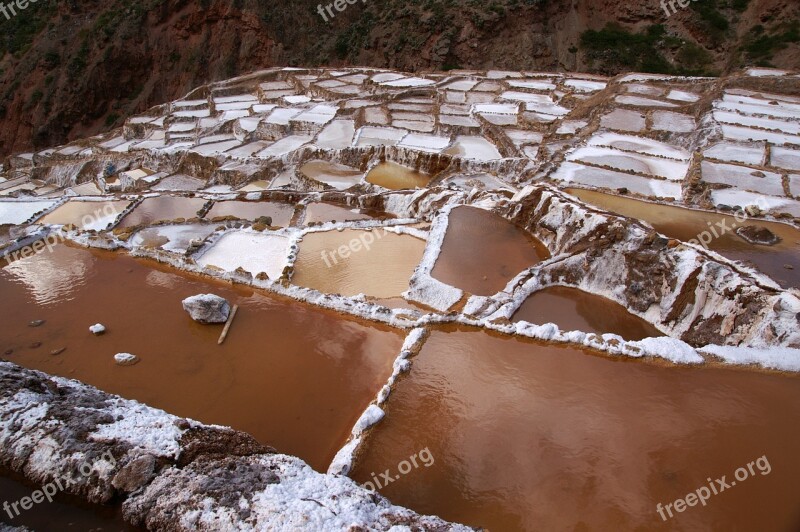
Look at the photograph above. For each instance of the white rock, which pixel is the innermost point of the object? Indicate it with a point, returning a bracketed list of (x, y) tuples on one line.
[(371, 415), (97, 329), (207, 308), (125, 359)]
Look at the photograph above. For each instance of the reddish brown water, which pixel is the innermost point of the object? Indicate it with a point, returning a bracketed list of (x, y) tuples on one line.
[(326, 212), (686, 224), (64, 513), (528, 436), (482, 251), (574, 310), (294, 376), (281, 213), (350, 262), (161, 208), (397, 177), (339, 176), (95, 215)]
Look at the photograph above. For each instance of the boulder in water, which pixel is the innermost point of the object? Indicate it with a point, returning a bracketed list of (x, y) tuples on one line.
[(207, 308)]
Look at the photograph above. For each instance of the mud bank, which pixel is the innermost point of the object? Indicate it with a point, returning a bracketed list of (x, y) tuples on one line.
[(172, 473)]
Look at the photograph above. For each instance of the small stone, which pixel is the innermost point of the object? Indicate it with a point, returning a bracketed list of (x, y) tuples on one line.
[(97, 329), (35, 345), (135, 473), (660, 242), (58, 351), (759, 235), (8, 352), (36, 323), (125, 359), (207, 308), (788, 266)]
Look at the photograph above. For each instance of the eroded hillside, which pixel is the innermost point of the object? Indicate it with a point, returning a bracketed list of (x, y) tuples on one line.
[(76, 68)]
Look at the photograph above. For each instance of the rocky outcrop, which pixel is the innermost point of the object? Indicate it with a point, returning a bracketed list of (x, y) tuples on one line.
[(207, 308), (686, 291), (172, 473)]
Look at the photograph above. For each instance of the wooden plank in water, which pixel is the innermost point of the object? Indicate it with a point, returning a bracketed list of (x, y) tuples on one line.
[(228, 325)]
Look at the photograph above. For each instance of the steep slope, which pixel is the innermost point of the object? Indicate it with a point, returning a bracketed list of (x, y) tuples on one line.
[(78, 67)]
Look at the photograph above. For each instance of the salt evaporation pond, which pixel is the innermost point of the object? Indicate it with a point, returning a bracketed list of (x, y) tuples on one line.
[(686, 224), (339, 176), (17, 212), (174, 238), (294, 376), (86, 215), (161, 208), (319, 212), (575, 310), (255, 252), (482, 251), (281, 213), (393, 176), (530, 436), (350, 262)]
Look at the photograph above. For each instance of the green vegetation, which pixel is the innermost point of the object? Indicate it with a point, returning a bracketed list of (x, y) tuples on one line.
[(35, 98), (713, 22), (759, 47), (614, 49), (740, 5), (617, 49), (693, 60), (51, 59), (79, 61), (111, 119), (18, 32), (355, 37)]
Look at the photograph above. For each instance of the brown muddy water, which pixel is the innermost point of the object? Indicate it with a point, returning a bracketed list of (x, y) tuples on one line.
[(393, 176), (281, 213), (163, 208), (575, 310), (66, 512), (686, 224), (295, 377), (529, 436), (95, 215), (339, 176), (354, 261), (319, 212), (482, 251)]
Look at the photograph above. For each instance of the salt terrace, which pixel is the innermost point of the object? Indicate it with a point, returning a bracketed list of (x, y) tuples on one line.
[(461, 199)]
